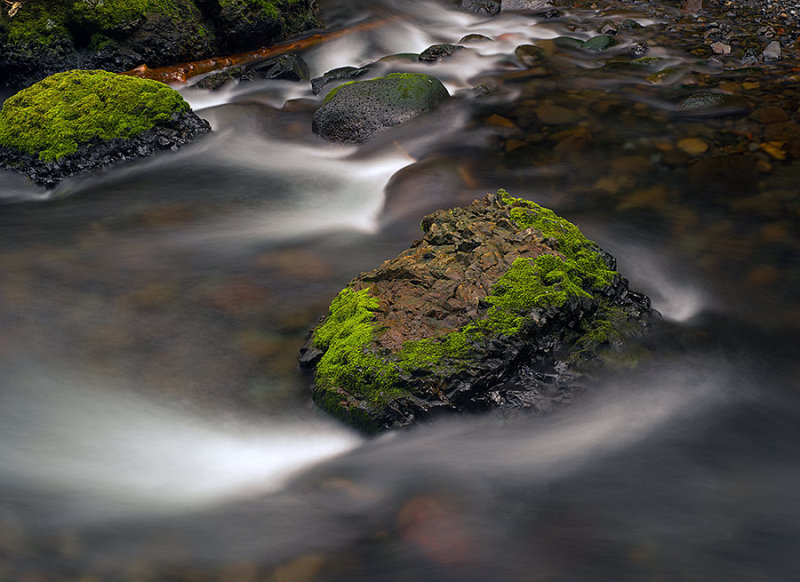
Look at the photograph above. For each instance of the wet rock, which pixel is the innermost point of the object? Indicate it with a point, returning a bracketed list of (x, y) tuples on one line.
[(609, 27), (243, 24), (482, 7), (599, 43), (501, 305), (707, 104), (217, 81), (438, 52), (550, 114), (770, 114), (523, 5), (529, 55), (338, 74), (773, 51), (355, 111), (468, 38), (693, 146), (288, 67), (78, 121)]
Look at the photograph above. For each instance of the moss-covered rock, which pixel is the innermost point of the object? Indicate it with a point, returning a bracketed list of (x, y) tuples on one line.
[(245, 24), (356, 111), (48, 37), (500, 305), (62, 122)]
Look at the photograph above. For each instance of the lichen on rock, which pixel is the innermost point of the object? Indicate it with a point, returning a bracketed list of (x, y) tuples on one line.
[(61, 123), (502, 304), (356, 111)]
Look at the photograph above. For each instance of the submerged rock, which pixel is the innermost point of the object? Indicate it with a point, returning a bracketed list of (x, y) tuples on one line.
[(77, 121), (501, 304), (707, 104), (356, 111)]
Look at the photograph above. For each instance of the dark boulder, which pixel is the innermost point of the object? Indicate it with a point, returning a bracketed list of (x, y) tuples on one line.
[(356, 111), (501, 305)]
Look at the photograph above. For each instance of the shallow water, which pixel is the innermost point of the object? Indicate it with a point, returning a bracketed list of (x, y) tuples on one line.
[(153, 425)]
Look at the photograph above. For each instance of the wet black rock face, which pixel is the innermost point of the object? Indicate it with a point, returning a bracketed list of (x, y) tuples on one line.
[(181, 130)]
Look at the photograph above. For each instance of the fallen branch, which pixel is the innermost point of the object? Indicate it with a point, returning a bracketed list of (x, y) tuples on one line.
[(182, 72)]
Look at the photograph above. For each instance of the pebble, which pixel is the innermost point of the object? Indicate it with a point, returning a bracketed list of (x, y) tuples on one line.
[(721, 48), (773, 51), (693, 146)]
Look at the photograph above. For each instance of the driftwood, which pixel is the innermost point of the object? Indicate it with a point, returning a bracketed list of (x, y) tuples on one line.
[(182, 72)]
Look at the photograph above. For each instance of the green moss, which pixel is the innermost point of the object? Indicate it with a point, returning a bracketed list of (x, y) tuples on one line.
[(350, 368), (348, 364), (38, 23), (264, 8), (410, 86), (54, 116), (44, 23)]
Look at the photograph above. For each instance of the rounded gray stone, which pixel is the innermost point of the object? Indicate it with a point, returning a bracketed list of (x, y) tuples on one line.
[(356, 111)]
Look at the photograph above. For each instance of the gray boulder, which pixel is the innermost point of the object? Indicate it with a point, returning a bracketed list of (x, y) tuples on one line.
[(356, 111)]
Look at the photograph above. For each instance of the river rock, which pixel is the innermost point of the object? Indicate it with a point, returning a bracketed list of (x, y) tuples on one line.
[(501, 305), (43, 38), (338, 74), (77, 121), (708, 104), (437, 52), (481, 7), (355, 111)]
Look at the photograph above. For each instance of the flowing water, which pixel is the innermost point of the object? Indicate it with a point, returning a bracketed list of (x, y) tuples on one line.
[(154, 426)]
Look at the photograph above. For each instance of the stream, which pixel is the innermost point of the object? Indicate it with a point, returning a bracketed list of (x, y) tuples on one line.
[(154, 425)]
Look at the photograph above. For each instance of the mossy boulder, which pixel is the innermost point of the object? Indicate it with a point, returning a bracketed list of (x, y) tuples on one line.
[(79, 120), (245, 24), (502, 304), (358, 110), (47, 37)]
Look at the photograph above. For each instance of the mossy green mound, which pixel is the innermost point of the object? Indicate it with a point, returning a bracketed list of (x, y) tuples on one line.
[(53, 117), (496, 301)]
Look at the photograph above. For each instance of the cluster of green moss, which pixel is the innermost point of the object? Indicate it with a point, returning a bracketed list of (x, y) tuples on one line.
[(345, 337), (54, 116), (43, 23), (546, 281), (111, 16), (38, 23), (261, 7)]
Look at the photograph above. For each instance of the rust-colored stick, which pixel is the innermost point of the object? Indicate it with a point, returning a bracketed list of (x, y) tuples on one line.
[(182, 72)]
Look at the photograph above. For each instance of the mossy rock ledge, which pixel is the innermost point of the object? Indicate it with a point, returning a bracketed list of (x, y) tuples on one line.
[(501, 305), (77, 121), (358, 110), (43, 38)]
